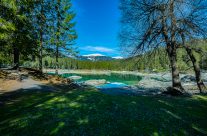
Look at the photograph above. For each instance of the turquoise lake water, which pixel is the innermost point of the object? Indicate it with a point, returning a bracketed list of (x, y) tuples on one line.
[(114, 80)]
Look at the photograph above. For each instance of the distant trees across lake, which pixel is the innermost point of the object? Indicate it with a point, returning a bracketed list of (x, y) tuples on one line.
[(147, 62)]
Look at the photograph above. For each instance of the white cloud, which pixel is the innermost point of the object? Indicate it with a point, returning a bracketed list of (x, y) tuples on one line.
[(98, 49), (97, 54), (118, 57)]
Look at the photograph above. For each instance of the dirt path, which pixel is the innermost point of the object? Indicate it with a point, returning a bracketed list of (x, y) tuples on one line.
[(25, 84)]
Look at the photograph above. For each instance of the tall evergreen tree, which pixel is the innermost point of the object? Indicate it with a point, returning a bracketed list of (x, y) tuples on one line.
[(63, 29), (42, 18)]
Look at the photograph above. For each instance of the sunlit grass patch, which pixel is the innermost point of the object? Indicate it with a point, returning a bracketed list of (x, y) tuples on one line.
[(88, 112)]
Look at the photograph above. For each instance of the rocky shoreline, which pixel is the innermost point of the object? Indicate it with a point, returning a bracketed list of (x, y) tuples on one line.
[(151, 83)]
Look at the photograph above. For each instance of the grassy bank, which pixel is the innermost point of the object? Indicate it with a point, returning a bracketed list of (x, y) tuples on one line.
[(88, 112)]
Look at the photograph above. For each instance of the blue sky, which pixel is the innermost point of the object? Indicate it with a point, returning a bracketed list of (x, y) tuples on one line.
[(97, 26)]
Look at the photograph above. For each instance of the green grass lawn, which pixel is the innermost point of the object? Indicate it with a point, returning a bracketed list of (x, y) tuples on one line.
[(88, 112)]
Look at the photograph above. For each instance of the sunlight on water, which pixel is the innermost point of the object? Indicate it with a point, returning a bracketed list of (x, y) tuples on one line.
[(112, 85)]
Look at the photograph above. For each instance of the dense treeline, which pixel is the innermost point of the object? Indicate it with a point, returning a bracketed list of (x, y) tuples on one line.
[(147, 62), (150, 61)]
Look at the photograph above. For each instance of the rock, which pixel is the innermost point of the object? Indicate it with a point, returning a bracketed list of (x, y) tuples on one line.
[(75, 77), (3, 74), (204, 77), (96, 82), (188, 78), (13, 76), (174, 91), (66, 81), (74, 86), (148, 82)]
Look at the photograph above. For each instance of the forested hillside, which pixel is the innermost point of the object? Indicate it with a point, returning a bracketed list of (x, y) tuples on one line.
[(152, 61)]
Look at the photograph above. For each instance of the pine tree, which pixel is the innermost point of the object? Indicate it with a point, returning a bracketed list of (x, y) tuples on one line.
[(42, 18), (64, 34)]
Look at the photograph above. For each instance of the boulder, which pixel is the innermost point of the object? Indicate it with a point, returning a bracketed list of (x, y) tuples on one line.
[(174, 91), (188, 78), (66, 81), (204, 77), (13, 76), (96, 82), (3, 74), (148, 82), (74, 86), (75, 77)]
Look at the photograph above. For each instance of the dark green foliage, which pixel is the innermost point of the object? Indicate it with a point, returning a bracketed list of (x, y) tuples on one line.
[(42, 20), (17, 36), (30, 29)]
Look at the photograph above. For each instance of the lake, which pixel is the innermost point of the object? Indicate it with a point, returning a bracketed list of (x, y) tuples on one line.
[(113, 79)]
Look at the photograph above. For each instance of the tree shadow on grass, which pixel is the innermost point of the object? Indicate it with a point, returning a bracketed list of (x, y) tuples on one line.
[(89, 112)]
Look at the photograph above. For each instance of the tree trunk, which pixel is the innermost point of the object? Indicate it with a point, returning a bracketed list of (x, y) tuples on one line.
[(56, 60), (16, 58), (57, 35), (40, 52), (197, 71), (177, 88), (196, 66), (41, 39)]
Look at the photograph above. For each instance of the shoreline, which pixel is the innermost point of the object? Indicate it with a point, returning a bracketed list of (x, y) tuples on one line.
[(107, 72), (150, 81), (163, 75)]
